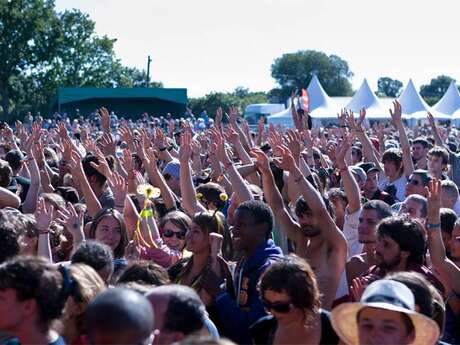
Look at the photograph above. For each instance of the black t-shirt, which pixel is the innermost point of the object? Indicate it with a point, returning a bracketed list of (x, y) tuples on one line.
[(263, 330)]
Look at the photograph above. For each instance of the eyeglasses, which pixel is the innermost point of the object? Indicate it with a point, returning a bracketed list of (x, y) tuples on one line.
[(180, 235), (413, 182), (279, 307)]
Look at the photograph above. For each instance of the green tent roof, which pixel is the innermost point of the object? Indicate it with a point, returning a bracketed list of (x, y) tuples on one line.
[(130, 101), (70, 94)]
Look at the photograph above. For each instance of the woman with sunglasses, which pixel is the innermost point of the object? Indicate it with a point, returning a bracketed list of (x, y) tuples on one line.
[(169, 239), (290, 294), (204, 241)]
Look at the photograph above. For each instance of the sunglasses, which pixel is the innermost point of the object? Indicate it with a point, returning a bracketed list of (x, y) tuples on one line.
[(413, 182), (180, 235), (279, 307)]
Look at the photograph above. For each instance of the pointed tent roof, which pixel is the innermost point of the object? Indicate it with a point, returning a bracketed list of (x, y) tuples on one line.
[(449, 103), (321, 105), (413, 106), (365, 98)]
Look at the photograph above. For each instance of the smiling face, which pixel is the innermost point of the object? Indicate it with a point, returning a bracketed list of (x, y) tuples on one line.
[(173, 236), (108, 231), (418, 151), (380, 326), (246, 233)]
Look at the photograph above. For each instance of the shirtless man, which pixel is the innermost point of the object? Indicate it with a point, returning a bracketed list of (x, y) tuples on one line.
[(315, 235), (372, 213)]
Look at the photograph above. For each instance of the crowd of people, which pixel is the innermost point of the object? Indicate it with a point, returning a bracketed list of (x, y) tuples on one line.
[(200, 231)]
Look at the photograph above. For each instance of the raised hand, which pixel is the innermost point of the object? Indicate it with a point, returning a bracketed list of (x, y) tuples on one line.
[(119, 187), (434, 195), (294, 143), (396, 113), (185, 151), (127, 161), (72, 221), (286, 161), (340, 156), (222, 154), (219, 116), (262, 163), (38, 152), (431, 121), (108, 146), (43, 215), (102, 166), (233, 114), (105, 119), (231, 135), (160, 141), (362, 116)]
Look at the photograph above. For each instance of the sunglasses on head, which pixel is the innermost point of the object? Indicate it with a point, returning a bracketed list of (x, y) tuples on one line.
[(180, 235), (413, 182), (279, 307)]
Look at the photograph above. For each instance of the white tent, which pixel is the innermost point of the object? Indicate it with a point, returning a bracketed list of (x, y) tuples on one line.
[(413, 106), (448, 104), (365, 98), (321, 105), (283, 118)]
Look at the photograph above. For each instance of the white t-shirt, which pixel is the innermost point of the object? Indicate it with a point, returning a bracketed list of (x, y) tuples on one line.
[(400, 185), (350, 231)]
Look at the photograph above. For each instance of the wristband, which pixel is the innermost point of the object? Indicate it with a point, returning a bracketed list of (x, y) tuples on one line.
[(146, 213), (433, 226)]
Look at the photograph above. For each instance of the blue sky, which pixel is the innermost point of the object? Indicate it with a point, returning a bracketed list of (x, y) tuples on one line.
[(214, 45)]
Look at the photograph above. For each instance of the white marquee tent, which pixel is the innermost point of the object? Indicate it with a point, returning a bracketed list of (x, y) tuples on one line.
[(448, 104), (365, 98), (413, 106)]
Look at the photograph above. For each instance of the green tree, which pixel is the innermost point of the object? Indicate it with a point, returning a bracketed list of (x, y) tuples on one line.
[(295, 70), (241, 97), (29, 36), (437, 87), (389, 87)]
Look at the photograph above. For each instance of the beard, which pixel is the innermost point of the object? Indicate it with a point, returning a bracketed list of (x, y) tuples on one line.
[(310, 231), (388, 264)]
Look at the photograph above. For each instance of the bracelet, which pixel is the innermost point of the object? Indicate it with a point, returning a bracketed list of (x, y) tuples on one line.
[(433, 226), (146, 213)]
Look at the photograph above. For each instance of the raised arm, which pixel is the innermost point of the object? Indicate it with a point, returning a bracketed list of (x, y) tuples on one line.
[(30, 203), (437, 138), (43, 218), (189, 201), (239, 186), (329, 230), (397, 120), (438, 256), (274, 198), (9, 199), (349, 183), (92, 202)]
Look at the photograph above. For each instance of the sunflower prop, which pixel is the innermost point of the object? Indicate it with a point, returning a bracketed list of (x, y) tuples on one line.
[(149, 192)]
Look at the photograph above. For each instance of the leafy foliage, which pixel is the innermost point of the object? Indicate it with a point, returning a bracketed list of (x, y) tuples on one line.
[(295, 70), (389, 87)]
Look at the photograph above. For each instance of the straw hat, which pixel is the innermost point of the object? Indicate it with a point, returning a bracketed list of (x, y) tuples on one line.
[(388, 295)]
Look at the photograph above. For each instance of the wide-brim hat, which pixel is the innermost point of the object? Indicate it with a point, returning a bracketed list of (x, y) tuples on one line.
[(344, 317)]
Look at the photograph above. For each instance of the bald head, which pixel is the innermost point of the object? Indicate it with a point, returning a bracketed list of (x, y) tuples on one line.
[(119, 316)]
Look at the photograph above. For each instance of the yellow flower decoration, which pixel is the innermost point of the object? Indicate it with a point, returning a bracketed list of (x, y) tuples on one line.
[(148, 191), (223, 197), (199, 196)]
